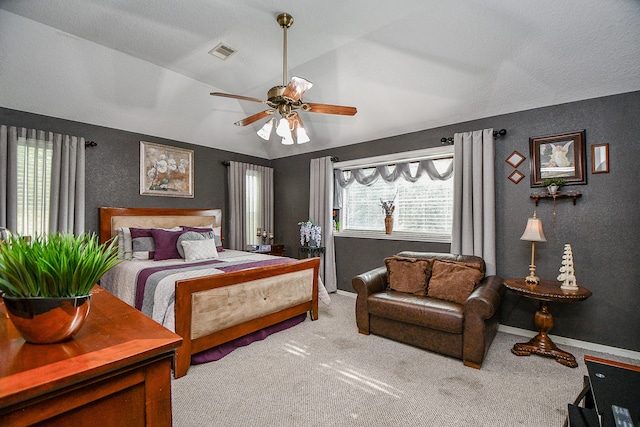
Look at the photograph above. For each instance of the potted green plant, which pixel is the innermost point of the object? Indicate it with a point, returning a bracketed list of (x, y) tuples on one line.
[(553, 184), (46, 284)]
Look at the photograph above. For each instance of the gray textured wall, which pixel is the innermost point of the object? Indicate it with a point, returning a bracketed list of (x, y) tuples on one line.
[(113, 167), (603, 228)]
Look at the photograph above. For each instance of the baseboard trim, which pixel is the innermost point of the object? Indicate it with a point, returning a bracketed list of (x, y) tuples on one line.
[(616, 351), (573, 342), (347, 293)]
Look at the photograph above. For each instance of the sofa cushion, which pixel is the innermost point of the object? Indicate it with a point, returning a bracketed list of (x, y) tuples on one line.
[(453, 281), (409, 275), (419, 310)]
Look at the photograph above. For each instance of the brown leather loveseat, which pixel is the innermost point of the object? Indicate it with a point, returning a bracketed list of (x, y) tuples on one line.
[(439, 302)]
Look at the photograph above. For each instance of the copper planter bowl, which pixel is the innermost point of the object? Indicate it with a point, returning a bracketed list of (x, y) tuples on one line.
[(47, 320)]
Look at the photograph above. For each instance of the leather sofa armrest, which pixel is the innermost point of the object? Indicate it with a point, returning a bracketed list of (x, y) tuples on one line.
[(370, 282), (481, 316), (485, 300), (366, 284)]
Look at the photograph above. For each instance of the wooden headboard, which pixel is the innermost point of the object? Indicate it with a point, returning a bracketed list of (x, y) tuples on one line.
[(113, 218)]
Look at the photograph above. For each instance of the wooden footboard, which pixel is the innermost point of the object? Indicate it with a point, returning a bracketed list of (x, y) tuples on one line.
[(213, 310)]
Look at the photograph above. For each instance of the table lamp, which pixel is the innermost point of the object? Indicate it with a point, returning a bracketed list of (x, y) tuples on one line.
[(533, 233)]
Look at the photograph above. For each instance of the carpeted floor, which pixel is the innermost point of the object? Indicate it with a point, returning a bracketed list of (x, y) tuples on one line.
[(325, 373)]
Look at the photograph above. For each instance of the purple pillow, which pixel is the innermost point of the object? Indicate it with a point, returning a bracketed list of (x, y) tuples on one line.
[(140, 232), (208, 233), (165, 244)]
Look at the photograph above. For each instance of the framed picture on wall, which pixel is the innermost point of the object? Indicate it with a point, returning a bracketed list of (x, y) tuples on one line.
[(558, 156), (165, 170), (515, 159), (600, 158)]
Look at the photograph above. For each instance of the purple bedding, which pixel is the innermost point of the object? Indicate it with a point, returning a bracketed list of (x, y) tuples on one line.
[(217, 353)]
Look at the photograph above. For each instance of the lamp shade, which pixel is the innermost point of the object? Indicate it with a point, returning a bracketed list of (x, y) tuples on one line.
[(534, 231), (301, 135), (265, 131), (283, 129)]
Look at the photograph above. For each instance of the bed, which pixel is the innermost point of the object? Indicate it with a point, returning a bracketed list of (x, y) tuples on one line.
[(232, 296)]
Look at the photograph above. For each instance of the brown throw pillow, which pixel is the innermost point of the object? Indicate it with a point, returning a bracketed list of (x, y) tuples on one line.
[(409, 275), (453, 281)]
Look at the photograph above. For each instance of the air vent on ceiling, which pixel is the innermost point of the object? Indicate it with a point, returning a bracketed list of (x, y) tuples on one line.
[(222, 51)]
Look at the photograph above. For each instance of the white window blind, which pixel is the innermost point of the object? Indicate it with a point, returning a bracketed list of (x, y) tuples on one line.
[(423, 208), (34, 184)]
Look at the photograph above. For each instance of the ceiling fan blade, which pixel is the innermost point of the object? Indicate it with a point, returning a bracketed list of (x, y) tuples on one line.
[(240, 97), (254, 118), (329, 109), (296, 88)]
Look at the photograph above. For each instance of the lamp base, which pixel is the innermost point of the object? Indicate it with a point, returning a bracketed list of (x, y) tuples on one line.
[(532, 279)]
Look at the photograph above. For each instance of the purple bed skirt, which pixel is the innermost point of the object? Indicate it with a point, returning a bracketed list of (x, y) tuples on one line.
[(217, 353)]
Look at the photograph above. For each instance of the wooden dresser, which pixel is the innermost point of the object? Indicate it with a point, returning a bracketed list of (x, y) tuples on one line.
[(116, 371)]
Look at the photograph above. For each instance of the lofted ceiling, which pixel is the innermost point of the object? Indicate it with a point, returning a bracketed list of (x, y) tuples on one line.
[(408, 65)]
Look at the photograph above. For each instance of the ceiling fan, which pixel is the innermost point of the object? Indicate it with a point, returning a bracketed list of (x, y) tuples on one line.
[(287, 101)]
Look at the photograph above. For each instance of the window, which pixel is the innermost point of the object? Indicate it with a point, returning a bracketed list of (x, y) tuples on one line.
[(34, 185), (423, 208), (253, 203)]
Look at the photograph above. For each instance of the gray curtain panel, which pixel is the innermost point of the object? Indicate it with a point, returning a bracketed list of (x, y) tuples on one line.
[(242, 226), (67, 185), (320, 209), (474, 206), (8, 177)]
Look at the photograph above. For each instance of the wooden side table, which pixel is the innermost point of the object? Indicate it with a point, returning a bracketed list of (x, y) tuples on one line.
[(545, 291), (115, 371)]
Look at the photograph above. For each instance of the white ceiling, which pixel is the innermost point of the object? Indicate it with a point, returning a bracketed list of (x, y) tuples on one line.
[(407, 65)]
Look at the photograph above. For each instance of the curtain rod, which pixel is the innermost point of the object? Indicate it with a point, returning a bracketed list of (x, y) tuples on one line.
[(496, 133), (90, 144)]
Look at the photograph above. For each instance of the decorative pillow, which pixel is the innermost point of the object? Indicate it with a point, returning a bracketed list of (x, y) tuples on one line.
[(125, 246), (165, 244), (453, 281), (410, 275), (141, 243), (189, 235), (209, 233), (195, 250)]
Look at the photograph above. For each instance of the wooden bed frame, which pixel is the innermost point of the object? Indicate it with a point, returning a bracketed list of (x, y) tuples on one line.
[(194, 324)]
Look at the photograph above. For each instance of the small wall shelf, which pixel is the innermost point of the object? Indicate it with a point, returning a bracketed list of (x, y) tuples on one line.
[(537, 197)]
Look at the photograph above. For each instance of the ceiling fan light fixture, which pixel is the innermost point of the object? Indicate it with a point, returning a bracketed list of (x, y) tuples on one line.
[(286, 99), (301, 135), (283, 129), (265, 130), (296, 88)]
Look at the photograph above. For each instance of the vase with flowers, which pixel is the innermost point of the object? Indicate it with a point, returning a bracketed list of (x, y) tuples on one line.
[(310, 233), (388, 207)]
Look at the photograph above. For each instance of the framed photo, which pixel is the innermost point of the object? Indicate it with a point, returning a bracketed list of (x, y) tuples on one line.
[(515, 159), (600, 158), (516, 176), (165, 170), (558, 156)]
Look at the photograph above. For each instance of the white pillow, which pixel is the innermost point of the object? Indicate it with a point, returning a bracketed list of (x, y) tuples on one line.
[(125, 246), (195, 250)]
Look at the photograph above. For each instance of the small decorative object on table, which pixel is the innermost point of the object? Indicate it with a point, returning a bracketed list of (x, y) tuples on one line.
[(553, 184), (567, 273), (388, 207), (264, 235), (310, 233), (46, 284)]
